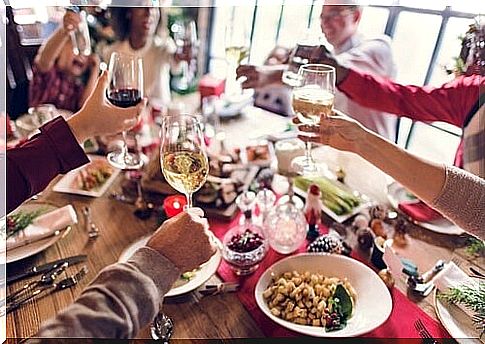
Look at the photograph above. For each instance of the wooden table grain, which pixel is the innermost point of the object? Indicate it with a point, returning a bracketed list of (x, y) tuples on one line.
[(193, 317)]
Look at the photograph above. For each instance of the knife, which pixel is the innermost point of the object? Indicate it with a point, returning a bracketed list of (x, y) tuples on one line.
[(36, 270)]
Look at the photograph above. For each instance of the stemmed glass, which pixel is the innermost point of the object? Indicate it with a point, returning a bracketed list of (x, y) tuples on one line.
[(125, 74), (185, 166), (183, 154), (185, 35), (237, 39), (313, 97)]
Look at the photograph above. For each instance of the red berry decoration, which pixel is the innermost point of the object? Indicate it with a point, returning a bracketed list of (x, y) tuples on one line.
[(245, 242)]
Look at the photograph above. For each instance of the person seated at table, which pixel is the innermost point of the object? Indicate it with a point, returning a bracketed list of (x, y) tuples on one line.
[(458, 102), (136, 30), (58, 73), (339, 22), (125, 297), (56, 149), (455, 193)]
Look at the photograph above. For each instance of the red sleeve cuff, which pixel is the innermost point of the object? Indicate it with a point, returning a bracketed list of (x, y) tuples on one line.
[(63, 142)]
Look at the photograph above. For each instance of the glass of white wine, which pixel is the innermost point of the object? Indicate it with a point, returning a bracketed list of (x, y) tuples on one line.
[(237, 42), (313, 97), (183, 154)]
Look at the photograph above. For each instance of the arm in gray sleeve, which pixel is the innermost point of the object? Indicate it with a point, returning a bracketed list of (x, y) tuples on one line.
[(462, 200), (121, 300)]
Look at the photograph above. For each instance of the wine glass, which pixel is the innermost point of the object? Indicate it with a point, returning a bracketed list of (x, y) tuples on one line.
[(185, 36), (183, 155), (237, 41), (313, 97), (125, 74)]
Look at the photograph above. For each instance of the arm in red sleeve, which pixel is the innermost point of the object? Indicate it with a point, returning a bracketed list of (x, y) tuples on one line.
[(449, 103), (32, 166)]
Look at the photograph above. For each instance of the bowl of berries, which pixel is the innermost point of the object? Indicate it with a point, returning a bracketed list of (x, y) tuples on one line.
[(244, 247)]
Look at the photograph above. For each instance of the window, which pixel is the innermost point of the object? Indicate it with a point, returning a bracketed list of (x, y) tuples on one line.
[(36, 23), (413, 43)]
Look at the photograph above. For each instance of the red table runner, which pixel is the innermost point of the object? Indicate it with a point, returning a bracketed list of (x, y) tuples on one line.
[(400, 323)]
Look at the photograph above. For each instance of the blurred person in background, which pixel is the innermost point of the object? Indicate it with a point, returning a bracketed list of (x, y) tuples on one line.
[(137, 34), (458, 102), (339, 22), (58, 72)]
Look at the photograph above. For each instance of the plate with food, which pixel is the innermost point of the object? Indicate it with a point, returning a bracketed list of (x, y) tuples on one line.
[(399, 195), (323, 295), (20, 219), (92, 179), (460, 324), (338, 200), (259, 153), (188, 281)]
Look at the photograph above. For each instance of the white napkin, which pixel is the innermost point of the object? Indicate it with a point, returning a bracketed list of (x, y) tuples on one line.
[(452, 276), (43, 226)]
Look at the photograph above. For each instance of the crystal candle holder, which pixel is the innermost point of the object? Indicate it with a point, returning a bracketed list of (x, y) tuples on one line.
[(286, 228)]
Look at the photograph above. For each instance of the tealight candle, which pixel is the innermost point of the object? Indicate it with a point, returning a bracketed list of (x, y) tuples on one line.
[(174, 205)]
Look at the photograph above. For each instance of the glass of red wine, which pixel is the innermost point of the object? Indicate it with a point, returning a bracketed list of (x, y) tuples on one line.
[(125, 74)]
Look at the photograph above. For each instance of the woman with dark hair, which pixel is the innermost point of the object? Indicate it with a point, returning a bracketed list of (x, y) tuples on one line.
[(136, 30)]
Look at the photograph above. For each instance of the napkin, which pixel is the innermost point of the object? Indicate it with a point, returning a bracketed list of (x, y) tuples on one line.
[(43, 226), (419, 211), (452, 276)]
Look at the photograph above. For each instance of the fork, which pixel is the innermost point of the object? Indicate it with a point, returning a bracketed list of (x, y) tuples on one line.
[(423, 332)]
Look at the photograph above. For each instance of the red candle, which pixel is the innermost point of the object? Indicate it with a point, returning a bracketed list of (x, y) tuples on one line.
[(174, 205)]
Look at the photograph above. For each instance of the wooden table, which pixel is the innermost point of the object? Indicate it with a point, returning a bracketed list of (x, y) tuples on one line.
[(193, 318)]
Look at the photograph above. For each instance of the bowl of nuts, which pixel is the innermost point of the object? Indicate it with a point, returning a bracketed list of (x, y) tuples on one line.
[(323, 295)]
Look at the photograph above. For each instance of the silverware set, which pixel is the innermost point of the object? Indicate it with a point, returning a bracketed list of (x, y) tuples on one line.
[(48, 283)]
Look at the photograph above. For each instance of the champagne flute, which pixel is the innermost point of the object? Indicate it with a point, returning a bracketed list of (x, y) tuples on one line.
[(183, 155), (237, 41), (125, 89), (313, 97)]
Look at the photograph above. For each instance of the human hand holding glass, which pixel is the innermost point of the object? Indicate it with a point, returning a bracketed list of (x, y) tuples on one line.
[(313, 97), (125, 74)]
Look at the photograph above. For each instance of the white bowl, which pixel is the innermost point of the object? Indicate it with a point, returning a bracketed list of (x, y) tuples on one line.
[(372, 307)]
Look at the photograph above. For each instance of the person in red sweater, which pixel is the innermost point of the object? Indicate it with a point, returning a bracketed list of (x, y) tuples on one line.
[(458, 102)]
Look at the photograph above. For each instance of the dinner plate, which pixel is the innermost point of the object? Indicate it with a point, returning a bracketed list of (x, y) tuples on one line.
[(65, 184), (458, 324), (371, 308), (365, 203), (28, 250), (396, 193), (181, 286)]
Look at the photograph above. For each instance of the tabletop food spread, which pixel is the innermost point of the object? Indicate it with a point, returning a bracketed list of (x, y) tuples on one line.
[(282, 268)]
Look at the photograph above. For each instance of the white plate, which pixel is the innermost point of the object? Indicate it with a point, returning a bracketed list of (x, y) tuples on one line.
[(372, 307), (365, 203), (458, 324), (65, 184), (396, 193), (25, 251), (181, 286)]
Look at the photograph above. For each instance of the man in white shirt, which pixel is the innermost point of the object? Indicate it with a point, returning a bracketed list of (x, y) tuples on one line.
[(340, 23)]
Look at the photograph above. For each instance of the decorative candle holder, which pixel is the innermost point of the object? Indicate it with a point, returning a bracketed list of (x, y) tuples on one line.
[(286, 228)]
